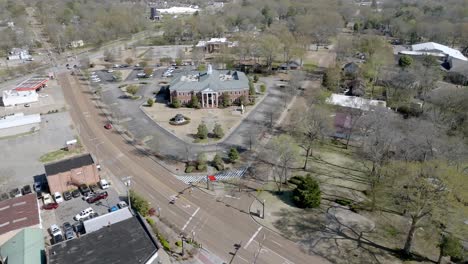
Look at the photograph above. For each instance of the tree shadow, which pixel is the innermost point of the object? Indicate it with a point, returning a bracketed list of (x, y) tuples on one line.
[(324, 232)]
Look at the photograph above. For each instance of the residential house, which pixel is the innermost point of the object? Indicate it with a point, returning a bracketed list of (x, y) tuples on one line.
[(290, 65), (76, 44), (215, 45), (68, 174), (434, 49), (19, 54)]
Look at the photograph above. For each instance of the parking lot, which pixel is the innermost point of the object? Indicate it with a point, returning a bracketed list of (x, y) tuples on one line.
[(67, 210)]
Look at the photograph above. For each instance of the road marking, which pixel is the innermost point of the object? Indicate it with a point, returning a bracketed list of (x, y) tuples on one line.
[(229, 196), (243, 259), (190, 219), (252, 238), (285, 259), (152, 197), (276, 243)]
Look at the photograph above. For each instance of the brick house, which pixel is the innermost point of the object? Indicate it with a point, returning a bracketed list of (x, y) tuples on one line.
[(209, 87), (68, 174)]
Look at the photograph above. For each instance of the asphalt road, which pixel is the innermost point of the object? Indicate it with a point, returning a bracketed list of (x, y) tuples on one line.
[(217, 223)]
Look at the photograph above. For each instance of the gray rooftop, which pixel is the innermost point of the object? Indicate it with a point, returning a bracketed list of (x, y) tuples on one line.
[(122, 242), (219, 81)]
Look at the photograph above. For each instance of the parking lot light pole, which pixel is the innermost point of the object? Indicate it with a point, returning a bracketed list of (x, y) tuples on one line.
[(128, 181)]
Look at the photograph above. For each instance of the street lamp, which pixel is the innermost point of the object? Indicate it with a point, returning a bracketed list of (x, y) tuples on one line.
[(128, 181)]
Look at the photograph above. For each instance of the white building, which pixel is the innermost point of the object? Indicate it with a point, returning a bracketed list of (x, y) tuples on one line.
[(434, 49), (179, 10), (14, 97), (77, 43), (19, 54), (19, 123), (355, 102)]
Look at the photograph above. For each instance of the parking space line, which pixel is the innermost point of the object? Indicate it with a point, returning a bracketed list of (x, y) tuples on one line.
[(253, 236)]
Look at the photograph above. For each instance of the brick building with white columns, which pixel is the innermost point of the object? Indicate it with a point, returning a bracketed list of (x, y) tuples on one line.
[(209, 87)]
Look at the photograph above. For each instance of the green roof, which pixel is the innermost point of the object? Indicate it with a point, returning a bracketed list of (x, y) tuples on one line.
[(26, 247)]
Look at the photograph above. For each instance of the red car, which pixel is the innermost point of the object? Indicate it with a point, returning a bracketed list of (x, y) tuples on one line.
[(108, 126), (50, 206), (97, 197)]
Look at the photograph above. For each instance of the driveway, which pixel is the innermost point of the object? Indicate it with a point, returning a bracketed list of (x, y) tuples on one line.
[(160, 140)]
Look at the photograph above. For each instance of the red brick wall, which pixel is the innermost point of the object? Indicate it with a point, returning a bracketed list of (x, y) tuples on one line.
[(185, 97)]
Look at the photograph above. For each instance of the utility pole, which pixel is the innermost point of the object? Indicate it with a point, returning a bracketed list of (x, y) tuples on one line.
[(128, 181), (237, 247)]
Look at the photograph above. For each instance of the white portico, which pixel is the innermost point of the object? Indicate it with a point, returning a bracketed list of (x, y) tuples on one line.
[(209, 98)]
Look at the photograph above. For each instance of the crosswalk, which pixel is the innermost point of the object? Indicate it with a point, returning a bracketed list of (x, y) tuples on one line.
[(220, 176)]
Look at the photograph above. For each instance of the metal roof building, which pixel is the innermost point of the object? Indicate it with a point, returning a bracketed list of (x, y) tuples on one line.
[(101, 221), (26, 247), (215, 80), (19, 119), (32, 84), (435, 49)]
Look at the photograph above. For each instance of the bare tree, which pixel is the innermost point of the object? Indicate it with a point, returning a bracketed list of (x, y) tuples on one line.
[(309, 127), (284, 152)]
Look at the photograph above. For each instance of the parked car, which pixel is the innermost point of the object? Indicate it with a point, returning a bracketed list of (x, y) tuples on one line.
[(110, 71), (104, 184), (67, 195), (26, 190), (15, 193), (76, 193), (84, 214), (58, 197), (58, 239), (97, 197), (78, 227), (55, 230), (50, 206), (37, 186), (27, 105), (47, 198), (84, 189), (68, 230), (88, 195), (122, 204), (113, 208), (39, 195), (94, 188), (108, 126)]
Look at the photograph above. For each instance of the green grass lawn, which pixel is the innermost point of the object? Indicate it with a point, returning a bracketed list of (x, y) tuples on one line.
[(59, 154)]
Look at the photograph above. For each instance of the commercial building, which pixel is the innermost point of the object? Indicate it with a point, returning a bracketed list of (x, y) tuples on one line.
[(126, 241), (68, 174), (32, 84), (14, 97), (19, 123), (355, 102), (102, 221), (209, 87), (26, 247), (176, 10), (18, 213)]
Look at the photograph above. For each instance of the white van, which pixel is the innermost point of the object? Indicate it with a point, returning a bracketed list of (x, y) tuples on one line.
[(104, 184)]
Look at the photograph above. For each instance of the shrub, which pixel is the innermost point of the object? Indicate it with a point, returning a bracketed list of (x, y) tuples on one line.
[(225, 100), (218, 162), (451, 246), (178, 243), (243, 100), (150, 102), (164, 243), (129, 60), (263, 88), (194, 102), (139, 204), (202, 131), (201, 167), (255, 78), (296, 180), (189, 169), (251, 88), (132, 89), (405, 61), (344, 202), (233, 155), (307, 193), (201, 68), (201, 159), (176, 103), (150, 221), (218, 131)]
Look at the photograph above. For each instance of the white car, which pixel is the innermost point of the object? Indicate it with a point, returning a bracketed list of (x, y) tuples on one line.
[(122, 204), (58, 197), (84, 214), (110, 71), (88, 195), (96, 80), (55, 230), (104, 184), (47, 198)]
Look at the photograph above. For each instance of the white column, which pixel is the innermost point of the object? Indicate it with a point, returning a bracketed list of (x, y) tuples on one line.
[(202, 101), (217, 99)]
